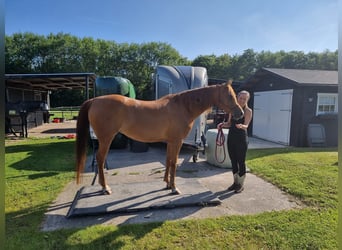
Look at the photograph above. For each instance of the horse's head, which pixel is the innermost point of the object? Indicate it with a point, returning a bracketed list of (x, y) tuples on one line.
[(228, 102)]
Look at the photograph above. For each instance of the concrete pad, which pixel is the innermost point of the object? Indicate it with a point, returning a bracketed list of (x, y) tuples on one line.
[(127, 168), (137, 197), (255, 143)]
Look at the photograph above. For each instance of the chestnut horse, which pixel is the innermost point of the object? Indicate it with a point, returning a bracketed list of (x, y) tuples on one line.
[(168, 119)]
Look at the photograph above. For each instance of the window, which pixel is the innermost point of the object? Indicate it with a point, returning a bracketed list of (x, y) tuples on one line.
[(326, 103)]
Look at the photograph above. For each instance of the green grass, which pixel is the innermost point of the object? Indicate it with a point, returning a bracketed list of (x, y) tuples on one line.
[(66, 114), (310, 174), (37, 170)]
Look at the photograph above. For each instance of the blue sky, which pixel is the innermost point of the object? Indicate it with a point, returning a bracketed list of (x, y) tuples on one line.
[(192, 27)]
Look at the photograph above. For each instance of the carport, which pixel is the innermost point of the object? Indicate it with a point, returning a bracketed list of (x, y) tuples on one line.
[(25, 93)]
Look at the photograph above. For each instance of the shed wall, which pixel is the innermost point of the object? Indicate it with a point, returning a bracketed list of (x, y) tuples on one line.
[(303, 110)]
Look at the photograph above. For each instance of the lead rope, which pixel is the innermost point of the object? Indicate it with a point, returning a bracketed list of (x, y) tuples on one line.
[(220, 139)]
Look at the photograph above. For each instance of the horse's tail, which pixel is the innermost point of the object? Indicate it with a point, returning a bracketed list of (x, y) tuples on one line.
[(82, 133)]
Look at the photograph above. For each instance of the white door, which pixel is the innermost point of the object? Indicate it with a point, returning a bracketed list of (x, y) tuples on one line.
[(272, 115)]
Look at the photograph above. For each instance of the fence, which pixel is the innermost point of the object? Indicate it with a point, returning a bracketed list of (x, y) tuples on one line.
[(66, 113)]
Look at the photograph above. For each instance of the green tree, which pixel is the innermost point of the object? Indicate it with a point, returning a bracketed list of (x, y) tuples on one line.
[(54, 53), (328, 60), (222, 69), (107, 62), (22, 52), (151, 55), (245, 65), (207, 62), (267, 59)]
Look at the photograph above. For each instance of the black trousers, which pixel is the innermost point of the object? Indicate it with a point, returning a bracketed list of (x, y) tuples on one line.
[(237, 149)]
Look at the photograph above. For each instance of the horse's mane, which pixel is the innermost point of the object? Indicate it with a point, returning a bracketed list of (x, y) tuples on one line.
[(197, 99), (197, 92)]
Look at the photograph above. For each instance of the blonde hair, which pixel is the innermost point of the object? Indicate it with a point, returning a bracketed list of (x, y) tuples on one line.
[(244, 92)]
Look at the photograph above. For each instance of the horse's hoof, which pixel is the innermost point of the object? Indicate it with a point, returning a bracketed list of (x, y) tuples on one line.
[(106, 191), (167, 187), (175, 191)]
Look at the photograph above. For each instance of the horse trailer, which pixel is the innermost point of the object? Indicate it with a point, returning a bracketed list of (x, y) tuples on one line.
[(175, 79)]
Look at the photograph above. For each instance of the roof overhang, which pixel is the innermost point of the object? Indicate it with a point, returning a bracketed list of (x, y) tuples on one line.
[(49, 82), (298, 77)]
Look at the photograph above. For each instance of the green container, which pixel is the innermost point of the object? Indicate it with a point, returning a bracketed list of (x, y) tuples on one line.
[(115, 85)]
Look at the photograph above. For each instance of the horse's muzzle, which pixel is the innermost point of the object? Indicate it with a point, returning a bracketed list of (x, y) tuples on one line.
[(237, 114)]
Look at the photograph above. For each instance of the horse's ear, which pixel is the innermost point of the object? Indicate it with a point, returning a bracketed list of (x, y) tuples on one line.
[(230, 82)]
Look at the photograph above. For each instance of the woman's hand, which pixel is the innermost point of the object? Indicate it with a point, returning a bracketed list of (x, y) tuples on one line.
[(240, 126), (220, 125)]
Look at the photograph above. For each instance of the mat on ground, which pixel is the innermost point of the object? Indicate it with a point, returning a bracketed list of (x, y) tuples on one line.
[(142, 196)]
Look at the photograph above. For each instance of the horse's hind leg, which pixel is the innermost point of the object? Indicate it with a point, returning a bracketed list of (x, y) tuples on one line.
[(101, 158)]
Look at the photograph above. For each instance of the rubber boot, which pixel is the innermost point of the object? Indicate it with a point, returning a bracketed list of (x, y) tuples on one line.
[(240, 185), (233, 186)]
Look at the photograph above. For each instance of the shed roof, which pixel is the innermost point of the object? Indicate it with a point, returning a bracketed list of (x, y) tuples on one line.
[(51, 81), (302, 77)]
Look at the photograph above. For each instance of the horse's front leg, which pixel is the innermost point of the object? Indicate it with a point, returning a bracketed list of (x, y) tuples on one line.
[(167, 172), (172, 154), (101, 157)]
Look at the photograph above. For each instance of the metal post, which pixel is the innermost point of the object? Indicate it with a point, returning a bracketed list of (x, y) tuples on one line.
[(87, 87), (94, 88)]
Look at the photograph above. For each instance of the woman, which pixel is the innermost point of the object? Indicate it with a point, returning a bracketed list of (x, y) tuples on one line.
[(238, 141)]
